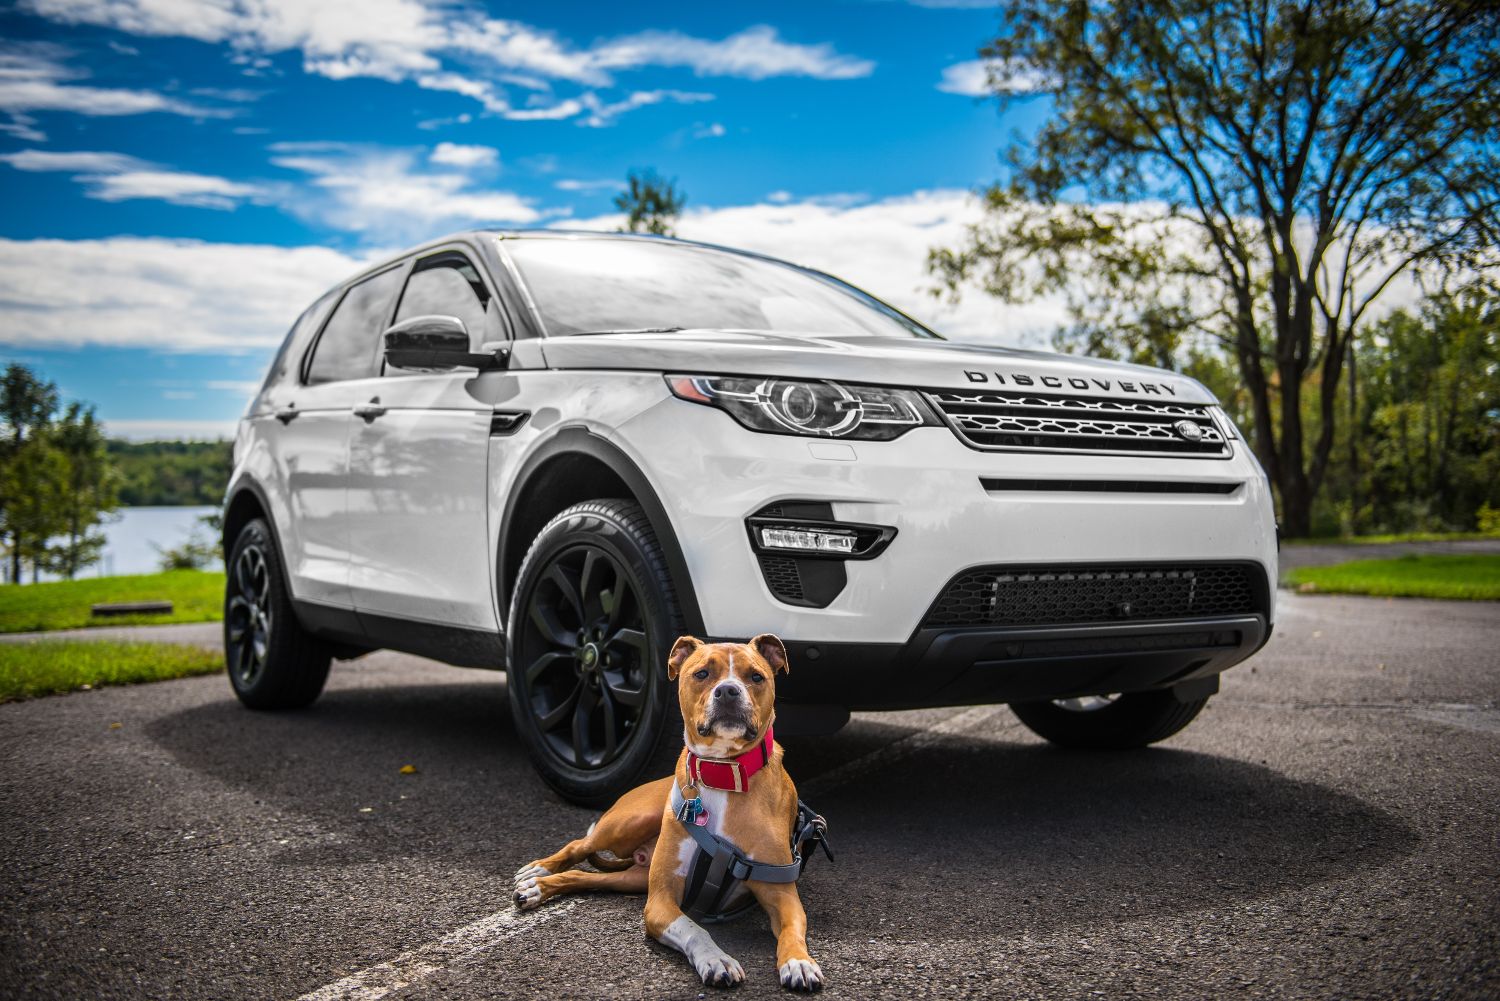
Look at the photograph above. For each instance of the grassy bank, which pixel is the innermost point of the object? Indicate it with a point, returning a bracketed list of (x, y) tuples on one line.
[(1473, 578), (196, 596), (1375, 540), (28, 670)]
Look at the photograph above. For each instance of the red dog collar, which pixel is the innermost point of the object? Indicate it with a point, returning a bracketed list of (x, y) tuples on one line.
[(730, 774)]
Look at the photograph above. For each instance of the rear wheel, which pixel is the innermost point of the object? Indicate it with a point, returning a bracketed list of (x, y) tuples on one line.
[(592, 616), (1109, 722), (273, 662)]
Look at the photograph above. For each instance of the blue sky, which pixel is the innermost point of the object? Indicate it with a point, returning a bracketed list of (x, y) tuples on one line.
[(180, 177)]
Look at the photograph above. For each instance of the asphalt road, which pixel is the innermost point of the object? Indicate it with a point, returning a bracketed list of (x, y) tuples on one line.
[(1327, 829)]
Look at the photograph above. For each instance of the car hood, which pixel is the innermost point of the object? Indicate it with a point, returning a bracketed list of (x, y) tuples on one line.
[(887, 361)]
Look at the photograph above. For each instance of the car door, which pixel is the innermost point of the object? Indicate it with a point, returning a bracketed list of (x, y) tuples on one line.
[(313, 413), (418, 499)]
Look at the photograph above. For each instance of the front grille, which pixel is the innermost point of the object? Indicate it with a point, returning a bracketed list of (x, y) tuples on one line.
[(1066, 595), (1012, 420)]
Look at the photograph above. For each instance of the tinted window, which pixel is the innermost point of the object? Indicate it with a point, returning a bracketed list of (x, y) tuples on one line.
[(450, 287), (347, 348), (583, 286)]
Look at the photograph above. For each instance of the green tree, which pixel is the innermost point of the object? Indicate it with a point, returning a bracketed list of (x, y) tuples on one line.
[(651, 204), (91, 490), (27, 405), (34, 480), (1430, 418), (1247, 176)]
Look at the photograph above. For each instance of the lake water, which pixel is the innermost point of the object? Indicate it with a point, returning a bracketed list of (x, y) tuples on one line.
[(131, 541)]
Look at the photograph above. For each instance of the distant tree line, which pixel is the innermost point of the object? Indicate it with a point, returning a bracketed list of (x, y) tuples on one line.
[(172, 472)]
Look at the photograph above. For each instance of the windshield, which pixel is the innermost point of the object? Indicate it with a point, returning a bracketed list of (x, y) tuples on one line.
[(597, 285)]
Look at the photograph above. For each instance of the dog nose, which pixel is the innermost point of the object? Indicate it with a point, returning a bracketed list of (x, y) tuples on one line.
[(729, 693)]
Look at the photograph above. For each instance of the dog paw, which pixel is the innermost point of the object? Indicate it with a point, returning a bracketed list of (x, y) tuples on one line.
[(531, 870), (721, 971), (528, 894), (801, 975)]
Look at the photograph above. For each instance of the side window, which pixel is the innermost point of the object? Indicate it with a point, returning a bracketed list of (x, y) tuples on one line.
[(295, 343), (449, 286), (347, 348)]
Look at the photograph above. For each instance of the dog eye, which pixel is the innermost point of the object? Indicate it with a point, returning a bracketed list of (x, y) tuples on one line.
[(701, 673), (757, 677)]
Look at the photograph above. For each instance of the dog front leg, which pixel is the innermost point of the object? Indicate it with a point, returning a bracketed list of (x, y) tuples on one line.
[(666, 923), (798, 970)]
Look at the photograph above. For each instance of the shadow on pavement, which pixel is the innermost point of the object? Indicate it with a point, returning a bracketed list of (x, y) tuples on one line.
[(980, 836)]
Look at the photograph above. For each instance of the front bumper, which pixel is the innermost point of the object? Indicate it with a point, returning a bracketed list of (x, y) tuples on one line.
[(711, 474)]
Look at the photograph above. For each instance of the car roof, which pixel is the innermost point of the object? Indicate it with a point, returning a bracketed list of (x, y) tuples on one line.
[(469, 235)]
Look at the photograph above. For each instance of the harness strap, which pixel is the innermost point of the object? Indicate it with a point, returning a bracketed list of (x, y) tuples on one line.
[(728, 860)]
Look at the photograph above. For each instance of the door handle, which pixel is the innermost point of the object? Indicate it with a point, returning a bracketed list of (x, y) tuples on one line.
[(369, 411), (287, 414)]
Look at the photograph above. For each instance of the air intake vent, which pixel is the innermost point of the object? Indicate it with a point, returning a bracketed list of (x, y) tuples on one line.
[(1067, 595), (1011, 421)]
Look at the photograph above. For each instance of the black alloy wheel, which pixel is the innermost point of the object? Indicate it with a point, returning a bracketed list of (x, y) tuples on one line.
[(247, 615), (588, 685), (273, 662), (590, 617)]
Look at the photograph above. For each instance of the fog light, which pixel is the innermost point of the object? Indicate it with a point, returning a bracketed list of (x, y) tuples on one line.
[(807, 541)]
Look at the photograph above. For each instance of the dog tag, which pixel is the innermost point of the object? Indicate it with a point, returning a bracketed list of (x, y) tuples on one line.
[(702, 819), (691, 810)]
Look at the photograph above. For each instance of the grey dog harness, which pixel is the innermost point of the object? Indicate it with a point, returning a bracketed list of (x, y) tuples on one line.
[(718, 868)]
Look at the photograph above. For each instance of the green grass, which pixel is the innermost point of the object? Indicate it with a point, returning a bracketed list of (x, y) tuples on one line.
[(196, 596), (1472, 578), (49, 667), (1370, 540)]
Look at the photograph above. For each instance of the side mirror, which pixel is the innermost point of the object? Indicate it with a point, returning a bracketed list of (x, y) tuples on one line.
[(440, 342)]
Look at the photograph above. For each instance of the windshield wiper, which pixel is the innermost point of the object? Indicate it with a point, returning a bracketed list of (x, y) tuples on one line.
[(636, 330)]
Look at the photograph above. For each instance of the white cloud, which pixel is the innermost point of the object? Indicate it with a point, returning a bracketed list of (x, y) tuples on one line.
[(972, 79), (455, 155), (755, 53), (387, 194), (602, 114), (33, 78), (576, 184), (710, 131), (178, 187), (116, 177), (880, 246), (171, 295), (79, 162), (399, 40)]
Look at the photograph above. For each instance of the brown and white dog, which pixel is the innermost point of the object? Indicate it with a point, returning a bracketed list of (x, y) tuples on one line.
[(727, 692)]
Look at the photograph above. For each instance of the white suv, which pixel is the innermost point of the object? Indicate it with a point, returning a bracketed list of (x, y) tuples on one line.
[(556, 452)]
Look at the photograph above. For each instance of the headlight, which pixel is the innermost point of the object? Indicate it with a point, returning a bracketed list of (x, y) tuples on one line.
[(819, 409)]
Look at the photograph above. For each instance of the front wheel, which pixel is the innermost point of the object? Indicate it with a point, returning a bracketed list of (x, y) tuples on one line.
[(273, 662), (592, 616), (1109, 722)]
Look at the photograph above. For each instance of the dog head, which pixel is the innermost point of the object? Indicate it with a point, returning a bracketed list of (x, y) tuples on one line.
[(727, 691)]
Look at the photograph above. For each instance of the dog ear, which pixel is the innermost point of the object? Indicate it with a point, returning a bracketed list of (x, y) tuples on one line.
[(769, 646), (681, 651)]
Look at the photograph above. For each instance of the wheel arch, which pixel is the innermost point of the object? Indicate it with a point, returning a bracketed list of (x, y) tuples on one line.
[(245, 503), (577, 465)]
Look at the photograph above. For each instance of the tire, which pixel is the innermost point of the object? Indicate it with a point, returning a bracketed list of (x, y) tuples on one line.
[(1134, 719), (592, 616), (273, 662)]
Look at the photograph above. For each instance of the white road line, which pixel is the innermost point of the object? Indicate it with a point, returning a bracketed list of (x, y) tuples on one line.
[(955, 724), (422, 962), (486, 933)]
